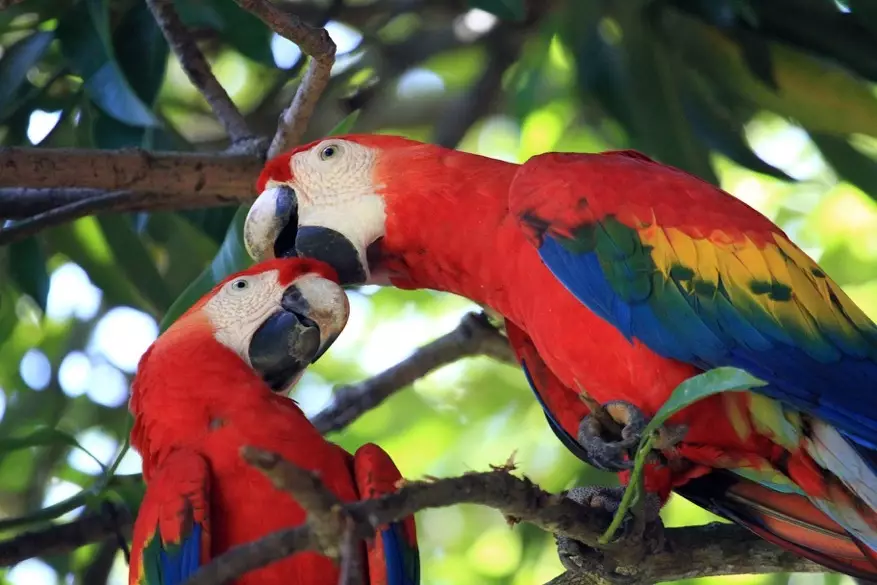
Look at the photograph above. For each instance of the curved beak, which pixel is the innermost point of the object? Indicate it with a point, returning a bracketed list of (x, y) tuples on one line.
[(272, 224), (313, 312), (275, 228)]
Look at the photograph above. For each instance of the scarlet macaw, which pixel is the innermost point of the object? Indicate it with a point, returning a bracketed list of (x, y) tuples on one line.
[(621, 277), (209, 385)]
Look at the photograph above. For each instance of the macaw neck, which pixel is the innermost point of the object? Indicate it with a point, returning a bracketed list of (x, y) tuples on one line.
[(187, 387), (448, 229)]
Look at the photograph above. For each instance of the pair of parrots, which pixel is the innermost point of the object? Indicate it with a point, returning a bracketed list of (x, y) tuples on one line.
[(618, 278)]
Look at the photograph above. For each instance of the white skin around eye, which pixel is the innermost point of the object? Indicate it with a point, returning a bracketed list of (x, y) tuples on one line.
[(240, 308), (334, 188)]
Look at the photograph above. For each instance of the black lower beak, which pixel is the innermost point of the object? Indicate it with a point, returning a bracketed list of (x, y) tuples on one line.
[(284, 345), (322, 243)]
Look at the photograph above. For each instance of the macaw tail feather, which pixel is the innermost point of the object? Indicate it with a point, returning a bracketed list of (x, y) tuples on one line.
[(788, 520)]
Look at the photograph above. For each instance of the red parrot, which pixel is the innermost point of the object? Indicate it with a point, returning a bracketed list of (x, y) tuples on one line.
[(620, 277), (211, 384)]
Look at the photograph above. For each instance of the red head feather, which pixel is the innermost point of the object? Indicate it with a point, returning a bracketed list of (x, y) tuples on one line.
[(278, 168)]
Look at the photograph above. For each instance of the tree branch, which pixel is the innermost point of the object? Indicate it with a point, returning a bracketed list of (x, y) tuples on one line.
[(713, 549), (195, 179), (95, 526), (473, 336), (63, 214), (313, 42), (325, 515), (195, 64)]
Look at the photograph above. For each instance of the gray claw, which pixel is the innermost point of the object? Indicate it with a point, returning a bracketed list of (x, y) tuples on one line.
[(608, 454)]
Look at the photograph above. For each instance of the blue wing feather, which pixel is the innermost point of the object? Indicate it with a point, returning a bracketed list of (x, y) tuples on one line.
[(793, 374), (403, 566), (176, 503)]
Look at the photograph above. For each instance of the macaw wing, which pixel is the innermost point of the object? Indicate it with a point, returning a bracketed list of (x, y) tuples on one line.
[(172, 532), (698, 276), (563, 409), (393, 559)]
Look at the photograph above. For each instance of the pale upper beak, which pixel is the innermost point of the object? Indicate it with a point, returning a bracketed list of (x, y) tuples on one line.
[(273, 229)]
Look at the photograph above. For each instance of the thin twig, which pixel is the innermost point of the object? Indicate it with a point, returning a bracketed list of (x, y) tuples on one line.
[(473, 336), (313, 42), (23, 202), (59, 215), (195, 64)]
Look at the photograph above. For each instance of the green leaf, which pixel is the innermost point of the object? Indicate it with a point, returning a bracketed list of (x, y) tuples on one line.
[(8, 318), (44, 437), (27, 266), (718, 127), (865, 12), (856, 167), (142, 52), (244, 32), (197, 14), (142, 55), (213, 222), (84, 243), (17, 60), (85, 41), (346, 124), (232, 257), (715, 381), (654, 87), (505, 9), (134, 260)]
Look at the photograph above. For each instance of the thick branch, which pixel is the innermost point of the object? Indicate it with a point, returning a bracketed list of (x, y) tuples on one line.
[(198, 179), (715, 549), (195, 64), (62, 538), (314, 42), (473, 336)]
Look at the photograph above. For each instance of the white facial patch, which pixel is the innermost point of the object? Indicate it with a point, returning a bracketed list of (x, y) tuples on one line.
[(334, 184), (241, 306), (245, 303)]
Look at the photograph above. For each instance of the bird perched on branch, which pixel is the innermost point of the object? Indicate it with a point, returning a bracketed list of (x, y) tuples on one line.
[(210, 385), (619, 278)]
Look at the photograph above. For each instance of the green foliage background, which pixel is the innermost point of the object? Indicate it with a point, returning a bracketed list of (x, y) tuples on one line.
[(775, 101)]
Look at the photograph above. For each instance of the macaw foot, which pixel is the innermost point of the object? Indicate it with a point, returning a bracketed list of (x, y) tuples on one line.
[(611, 444), (641, 533)]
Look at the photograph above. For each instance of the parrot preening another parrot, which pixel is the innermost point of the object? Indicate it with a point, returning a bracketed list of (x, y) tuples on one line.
[(620, 277), (212, 384)]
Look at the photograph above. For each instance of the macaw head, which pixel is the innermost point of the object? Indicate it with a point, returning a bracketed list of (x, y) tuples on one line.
[(278, 316), (330, 199)]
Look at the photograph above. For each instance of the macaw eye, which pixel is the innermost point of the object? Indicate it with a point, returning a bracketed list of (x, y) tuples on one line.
[(328, 152), (240, 284)]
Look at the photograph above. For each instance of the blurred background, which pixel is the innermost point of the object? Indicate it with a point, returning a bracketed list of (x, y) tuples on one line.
[(774, 101)]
